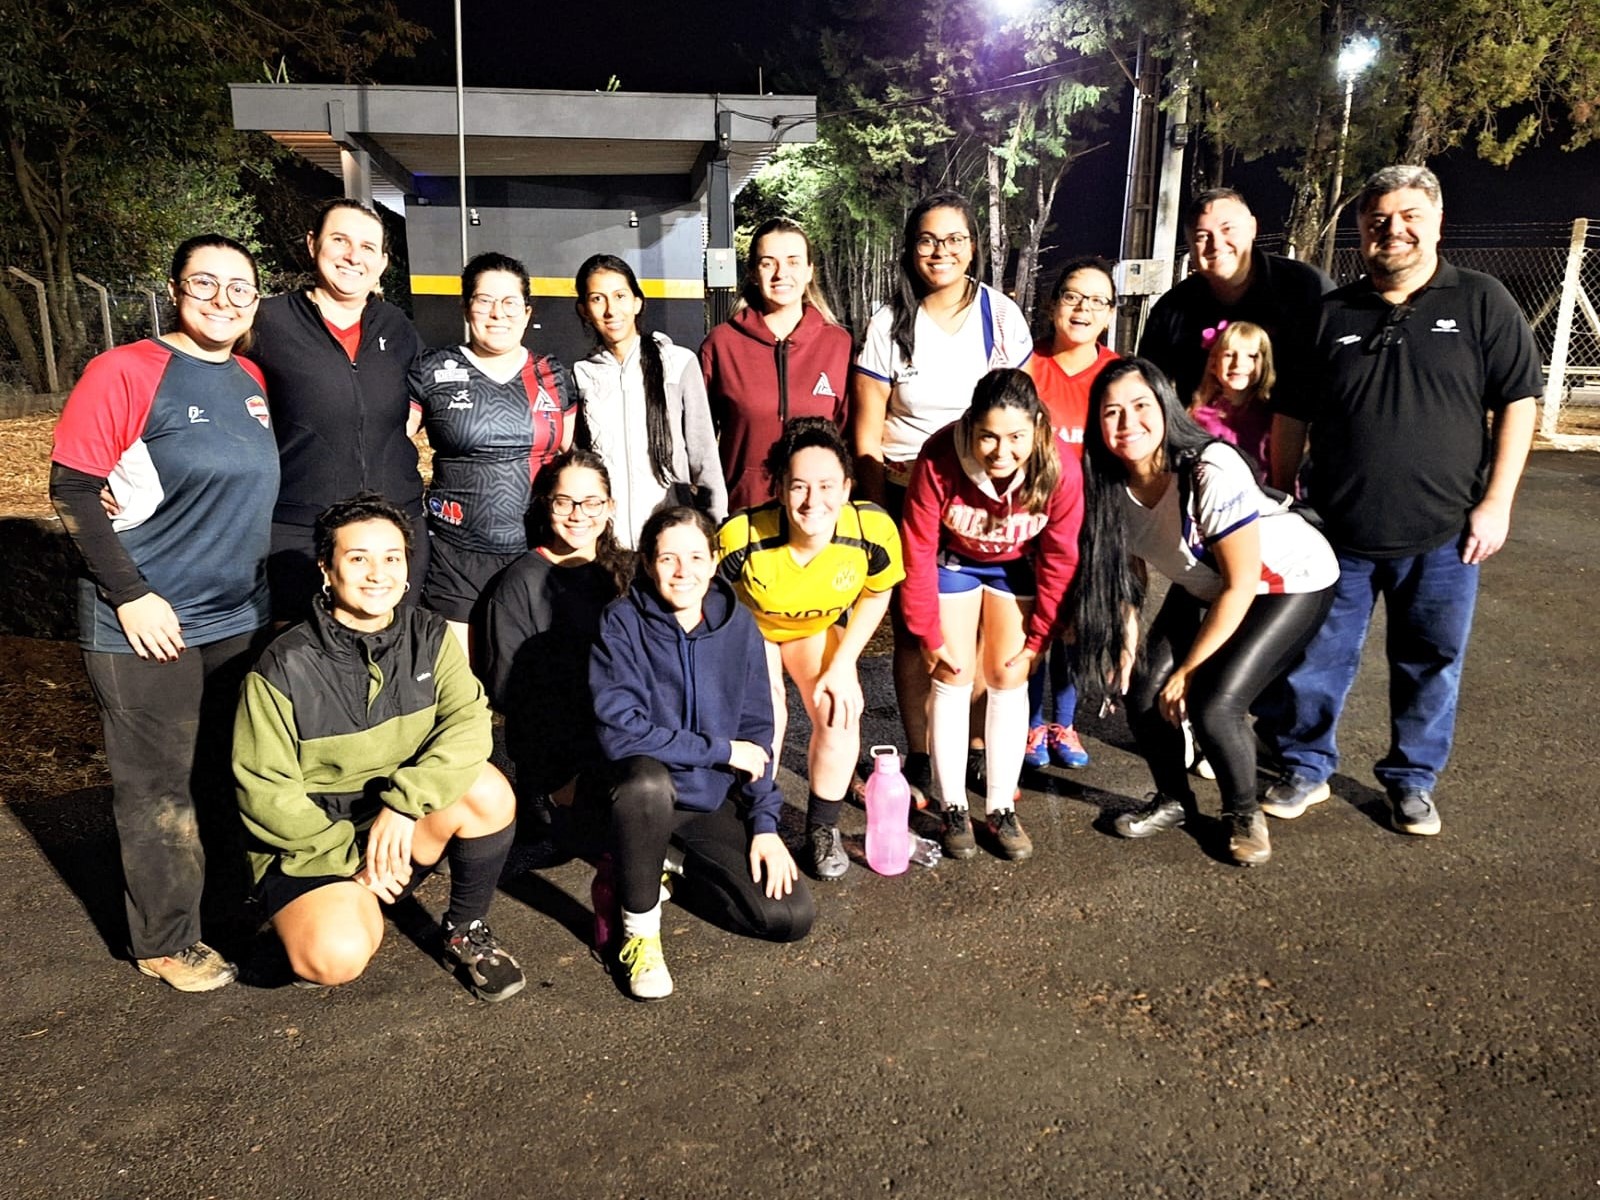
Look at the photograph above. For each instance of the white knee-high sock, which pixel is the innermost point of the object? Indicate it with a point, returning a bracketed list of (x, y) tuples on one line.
[(948, 717), (1005, 741), (645, 924)]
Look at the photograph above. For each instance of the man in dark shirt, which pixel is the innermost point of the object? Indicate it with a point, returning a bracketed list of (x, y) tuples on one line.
[(1233, 281), (1420, 428)]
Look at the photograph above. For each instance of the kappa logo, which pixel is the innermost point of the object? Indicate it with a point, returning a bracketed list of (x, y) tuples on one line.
[(1349, 339), (1445, 325), (256, 406), (823, 387), (197, 415)]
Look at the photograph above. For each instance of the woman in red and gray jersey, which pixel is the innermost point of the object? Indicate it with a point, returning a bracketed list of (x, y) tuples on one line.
[(495, 414)]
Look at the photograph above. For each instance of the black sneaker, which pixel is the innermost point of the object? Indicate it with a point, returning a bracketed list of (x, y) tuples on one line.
[(1157, 816), (828, 859), (1007, 831), (493, 974), (957, 838)]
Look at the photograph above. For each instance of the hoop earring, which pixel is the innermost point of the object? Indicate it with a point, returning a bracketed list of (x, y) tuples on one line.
[(325, 590), (407, 588)]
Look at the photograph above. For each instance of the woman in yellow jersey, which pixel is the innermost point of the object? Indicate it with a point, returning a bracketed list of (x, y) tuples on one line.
[(816, 569)]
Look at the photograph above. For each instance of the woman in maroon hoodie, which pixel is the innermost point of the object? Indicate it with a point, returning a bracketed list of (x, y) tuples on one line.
[(991, 543), (780, 355)]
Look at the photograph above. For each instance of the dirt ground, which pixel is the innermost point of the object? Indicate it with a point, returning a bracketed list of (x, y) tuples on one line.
[(1367, 1015)]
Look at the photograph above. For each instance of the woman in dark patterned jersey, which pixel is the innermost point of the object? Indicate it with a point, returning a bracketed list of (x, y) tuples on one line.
[(495, 413), (174, 594)]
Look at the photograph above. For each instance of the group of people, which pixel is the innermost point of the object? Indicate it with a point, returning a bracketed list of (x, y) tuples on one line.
[(628, 560)]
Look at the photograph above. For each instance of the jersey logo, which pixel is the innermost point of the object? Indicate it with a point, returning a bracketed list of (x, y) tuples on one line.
[(451, 372), (846, 580), (543, 403), (197, 415), (1071, 437), (1445, 325), (1349, 339), (823, 387), (461, 399), (256, 406), (448, 511), (424, 676), (383, 343)]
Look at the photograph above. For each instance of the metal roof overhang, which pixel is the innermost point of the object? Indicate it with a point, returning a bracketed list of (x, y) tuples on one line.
[(411, 131)]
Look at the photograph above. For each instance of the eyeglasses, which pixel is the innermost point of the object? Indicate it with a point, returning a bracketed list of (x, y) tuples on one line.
[(1390, 332), (511, 306), (1090, 303), (592, 506), (928, 245), (205, 287)]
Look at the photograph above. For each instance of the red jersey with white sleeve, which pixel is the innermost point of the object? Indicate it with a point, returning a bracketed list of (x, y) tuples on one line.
[(952, 505)]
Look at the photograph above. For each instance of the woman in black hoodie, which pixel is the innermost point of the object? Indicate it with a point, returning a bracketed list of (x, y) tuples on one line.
[(684, 712)]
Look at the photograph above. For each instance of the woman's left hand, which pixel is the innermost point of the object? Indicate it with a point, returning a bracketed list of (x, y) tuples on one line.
[(1023, 659), (1174, 698), (837, 697), (389, 845), (767, 850)]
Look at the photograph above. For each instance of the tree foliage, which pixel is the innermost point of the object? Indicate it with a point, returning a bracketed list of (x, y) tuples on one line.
[(114, 118)]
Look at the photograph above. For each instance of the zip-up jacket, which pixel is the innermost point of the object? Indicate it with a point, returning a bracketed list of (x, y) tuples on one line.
[(334, 724), (683, 698), (756, 381), (341, 425), (952, 507)]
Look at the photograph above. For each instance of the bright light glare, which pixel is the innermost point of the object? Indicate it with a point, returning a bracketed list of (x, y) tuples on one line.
[(1012, 8), (1358, 54)]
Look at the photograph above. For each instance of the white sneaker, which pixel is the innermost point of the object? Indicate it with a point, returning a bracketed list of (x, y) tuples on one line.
[(648, 977)]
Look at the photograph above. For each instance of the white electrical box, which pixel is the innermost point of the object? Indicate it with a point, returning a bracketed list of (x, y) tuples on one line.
[(722, 268), (1143, 276)]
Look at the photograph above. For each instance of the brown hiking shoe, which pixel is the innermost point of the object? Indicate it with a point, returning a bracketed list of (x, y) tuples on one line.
[(1007, 831), (957, 839), (1248, 844), (196, 968)]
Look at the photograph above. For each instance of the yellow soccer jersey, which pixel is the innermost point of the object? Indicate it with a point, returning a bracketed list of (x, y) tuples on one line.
[(791, 601)]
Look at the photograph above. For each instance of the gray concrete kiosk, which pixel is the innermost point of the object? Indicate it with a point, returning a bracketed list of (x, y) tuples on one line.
[(552, 177)]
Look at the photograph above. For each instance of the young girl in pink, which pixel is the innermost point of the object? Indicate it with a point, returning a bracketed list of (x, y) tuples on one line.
[(1231, 402)]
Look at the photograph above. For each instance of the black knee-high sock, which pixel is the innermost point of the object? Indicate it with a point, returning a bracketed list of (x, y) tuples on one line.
[(475, 865), (822, 812)]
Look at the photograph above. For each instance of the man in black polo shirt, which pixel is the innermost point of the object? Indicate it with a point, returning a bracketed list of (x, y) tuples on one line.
[(1419, 430), (1233, 281)]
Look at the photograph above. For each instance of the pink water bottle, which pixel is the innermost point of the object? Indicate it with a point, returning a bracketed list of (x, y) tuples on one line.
[(888, 810), (607, 912)]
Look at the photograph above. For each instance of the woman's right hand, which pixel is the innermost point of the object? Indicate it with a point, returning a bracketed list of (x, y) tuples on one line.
[(152, 628), (109, 503), (748, 758)]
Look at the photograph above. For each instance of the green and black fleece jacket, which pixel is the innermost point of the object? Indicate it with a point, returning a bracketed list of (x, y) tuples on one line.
[(334, 723)]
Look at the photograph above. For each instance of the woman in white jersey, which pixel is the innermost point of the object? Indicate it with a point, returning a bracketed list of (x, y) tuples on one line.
[(924, 352)]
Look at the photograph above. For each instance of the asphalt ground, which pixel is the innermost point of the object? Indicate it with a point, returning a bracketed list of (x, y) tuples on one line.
[(1367, 1015)]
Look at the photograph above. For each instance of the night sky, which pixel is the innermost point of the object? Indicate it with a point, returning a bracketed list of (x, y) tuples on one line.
[(707, 46)]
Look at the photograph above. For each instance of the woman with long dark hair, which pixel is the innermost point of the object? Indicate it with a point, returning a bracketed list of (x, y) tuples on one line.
[(924, 352), (817, 569), (174, 596), (542, 619), (781, 355), (495, 413), (991, 538), (684, 707), (644, 405), (1251, 582)]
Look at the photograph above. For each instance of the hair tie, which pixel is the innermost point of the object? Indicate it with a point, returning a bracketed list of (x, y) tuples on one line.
[(1208, 336)]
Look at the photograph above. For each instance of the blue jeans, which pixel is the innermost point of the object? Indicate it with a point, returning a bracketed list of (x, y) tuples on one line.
[(1428, 601)]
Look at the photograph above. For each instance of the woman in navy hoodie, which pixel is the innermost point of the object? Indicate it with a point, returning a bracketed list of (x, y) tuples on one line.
[(683, 706), (780, 355)]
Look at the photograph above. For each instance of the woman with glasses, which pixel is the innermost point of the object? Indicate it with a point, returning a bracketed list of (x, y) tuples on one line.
[(335, 357), (174, 594), (542, 619), (924, 353), (495, 414), (1064, 366)]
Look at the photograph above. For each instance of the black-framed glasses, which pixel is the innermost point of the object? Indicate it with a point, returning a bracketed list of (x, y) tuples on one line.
[(205, 287), (510, 306), (1391, 332), (927, 245), (1094, 304), (592, 506)]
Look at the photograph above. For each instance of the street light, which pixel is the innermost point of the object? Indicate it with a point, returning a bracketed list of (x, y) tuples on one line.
[(1358, 54)]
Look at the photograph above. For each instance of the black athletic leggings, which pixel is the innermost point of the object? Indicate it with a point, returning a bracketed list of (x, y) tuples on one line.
[(1274, 631), (644, 817)]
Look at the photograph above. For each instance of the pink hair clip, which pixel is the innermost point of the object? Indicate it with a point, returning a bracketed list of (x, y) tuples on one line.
[(1208, 336)]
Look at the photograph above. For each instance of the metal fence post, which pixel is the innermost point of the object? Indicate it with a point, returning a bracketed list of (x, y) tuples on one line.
[(1556, 382), (44, 327), (155, 313), (105, 307)]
